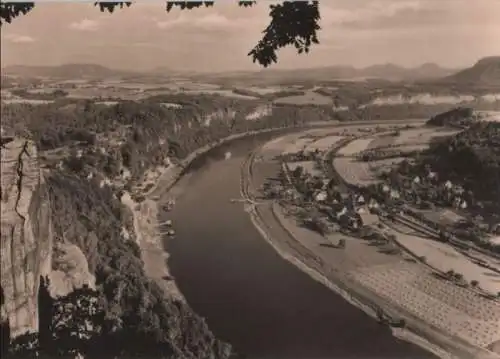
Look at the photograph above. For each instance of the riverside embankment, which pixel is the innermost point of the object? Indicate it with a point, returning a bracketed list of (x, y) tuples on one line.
[(250, 296)]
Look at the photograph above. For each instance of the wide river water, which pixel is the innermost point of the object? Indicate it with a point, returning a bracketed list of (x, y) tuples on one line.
[(251, 297)]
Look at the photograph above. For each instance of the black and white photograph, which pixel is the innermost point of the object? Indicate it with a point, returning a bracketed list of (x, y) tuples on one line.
[(250, 179)]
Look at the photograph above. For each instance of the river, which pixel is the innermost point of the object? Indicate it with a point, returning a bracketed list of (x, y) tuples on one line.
[(251, 297)]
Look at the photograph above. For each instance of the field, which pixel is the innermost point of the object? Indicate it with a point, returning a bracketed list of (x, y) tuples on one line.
[(420, 137), (26, 101), (324, 143), (265, 90), (221, 92), (298, 145), (444, 305), (490, 116), (309, 97), (353, 171), (382, 141), (424, 99), (444, 258)]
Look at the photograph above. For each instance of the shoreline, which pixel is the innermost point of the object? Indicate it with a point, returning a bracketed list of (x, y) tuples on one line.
[(313, 273), (420, 334), (146, 214)]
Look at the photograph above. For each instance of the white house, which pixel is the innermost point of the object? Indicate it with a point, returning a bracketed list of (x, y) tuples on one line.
[(321, 196)]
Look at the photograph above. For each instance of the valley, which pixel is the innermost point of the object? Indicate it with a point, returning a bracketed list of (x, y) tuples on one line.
[(184, 199)]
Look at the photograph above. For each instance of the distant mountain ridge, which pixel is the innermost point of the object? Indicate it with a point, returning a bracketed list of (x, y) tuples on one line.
[(484, 72), (67, 71), (388, 71)]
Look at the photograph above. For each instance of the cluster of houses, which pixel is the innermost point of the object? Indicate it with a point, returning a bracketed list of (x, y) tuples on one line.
[(355, 212), (427, 190), (351, 211)]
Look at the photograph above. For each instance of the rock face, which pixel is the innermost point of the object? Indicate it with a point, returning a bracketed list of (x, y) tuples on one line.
[(26, 234), (70, 270)]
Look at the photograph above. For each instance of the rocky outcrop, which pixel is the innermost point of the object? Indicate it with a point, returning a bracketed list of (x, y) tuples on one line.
[(26, 234), (70, 270)]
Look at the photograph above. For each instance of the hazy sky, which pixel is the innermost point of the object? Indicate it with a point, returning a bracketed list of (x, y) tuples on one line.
[(453, 33)]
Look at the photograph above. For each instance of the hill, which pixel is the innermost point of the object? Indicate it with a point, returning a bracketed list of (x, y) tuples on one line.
[(67, 71), (485, 72), (457, 117)]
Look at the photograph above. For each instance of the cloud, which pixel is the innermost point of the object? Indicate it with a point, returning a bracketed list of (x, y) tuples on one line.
[(16, 38), (209, 21), (370, 13), (409, 14), (84, 25)]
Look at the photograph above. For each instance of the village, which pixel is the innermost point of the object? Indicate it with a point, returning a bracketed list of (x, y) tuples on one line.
[(400, 202), (408, 237)]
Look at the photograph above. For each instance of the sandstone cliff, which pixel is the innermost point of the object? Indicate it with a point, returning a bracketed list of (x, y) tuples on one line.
[(26, 234)]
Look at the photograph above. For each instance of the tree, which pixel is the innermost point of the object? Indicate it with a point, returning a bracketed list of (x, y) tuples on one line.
[(297, 173), (292, 23), (77, 321)]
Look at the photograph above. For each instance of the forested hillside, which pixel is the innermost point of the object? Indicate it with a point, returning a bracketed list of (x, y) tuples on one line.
[(472, 158), (457, 117), (94, 152)]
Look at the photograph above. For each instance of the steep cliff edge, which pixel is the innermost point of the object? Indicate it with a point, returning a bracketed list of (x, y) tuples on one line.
[(26, 234)]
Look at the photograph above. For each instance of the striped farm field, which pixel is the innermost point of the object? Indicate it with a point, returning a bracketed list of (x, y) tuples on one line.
[(444, 258), (354, 172), (421, 136), (444, 305), (349, 168)]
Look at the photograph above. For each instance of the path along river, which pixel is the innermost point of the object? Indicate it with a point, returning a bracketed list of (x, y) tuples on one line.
[(251, 297)]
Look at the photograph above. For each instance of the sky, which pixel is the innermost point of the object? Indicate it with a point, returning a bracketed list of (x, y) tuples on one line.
[(452, 33)]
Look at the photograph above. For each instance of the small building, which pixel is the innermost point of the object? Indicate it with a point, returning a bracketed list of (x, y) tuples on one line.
[(321, 196), (366, 219)]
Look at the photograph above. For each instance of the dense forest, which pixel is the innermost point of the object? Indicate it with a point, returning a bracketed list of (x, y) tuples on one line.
[(472, 159), (139, 135), (458, 117), (77, 139)]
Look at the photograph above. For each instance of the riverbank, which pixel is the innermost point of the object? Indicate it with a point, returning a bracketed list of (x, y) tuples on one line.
[(146, 222), (303, 258), (223, 266), (332, 267)]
